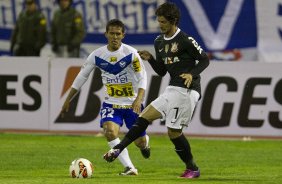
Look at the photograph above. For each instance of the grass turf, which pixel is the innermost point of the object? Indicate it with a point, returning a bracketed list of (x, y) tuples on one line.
[(38, 159)]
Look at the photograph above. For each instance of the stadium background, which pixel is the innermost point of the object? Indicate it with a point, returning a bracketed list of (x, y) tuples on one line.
[(245, 31)]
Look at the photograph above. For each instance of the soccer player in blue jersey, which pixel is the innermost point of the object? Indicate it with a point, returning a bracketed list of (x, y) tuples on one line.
[(179, 55), (125, 80)]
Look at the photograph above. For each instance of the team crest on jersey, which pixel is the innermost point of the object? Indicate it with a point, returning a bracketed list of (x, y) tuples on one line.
[(122, 64), (113, 59), (174, 47), (120, 90), (166, 48)]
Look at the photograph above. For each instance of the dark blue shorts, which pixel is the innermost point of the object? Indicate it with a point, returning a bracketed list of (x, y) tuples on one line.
[(119, 114)]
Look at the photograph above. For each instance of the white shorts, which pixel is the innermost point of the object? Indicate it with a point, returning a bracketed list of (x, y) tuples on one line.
[(176, 105)]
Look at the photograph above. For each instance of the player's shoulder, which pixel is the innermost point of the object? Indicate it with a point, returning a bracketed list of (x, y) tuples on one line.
[(128, 49), (98, 52), (159, 38), (185, 38), (190, 42), (182, 34)]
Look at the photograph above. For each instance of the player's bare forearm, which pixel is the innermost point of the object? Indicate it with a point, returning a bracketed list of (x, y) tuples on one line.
[(136, 105), (65, 107)]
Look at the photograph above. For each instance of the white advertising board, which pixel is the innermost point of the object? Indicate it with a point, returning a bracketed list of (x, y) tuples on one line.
[(238, 98), (24, 93)]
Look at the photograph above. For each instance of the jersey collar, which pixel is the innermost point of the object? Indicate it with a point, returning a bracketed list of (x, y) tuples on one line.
[(170, 38)]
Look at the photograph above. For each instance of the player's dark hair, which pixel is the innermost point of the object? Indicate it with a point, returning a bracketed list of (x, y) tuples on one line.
[(115, 22), (169, 11)]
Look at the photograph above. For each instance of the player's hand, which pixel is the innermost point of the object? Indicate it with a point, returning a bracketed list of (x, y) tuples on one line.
[(136, 106), (65, 108), (145, 55), (188, 79)]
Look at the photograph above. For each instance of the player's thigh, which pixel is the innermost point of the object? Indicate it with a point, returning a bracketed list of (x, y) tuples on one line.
[(181, 109), (150, 113), (160, 107)]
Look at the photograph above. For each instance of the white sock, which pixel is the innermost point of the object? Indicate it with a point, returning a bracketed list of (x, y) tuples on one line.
[(123, 156), (147, 141)]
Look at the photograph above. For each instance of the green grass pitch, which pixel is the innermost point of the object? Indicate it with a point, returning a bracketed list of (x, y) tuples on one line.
[(45, 159)]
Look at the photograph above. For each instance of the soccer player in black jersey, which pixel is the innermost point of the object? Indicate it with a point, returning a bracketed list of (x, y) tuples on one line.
[(184, 60)]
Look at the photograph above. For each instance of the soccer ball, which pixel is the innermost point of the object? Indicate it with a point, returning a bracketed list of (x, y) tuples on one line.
[(81, 168)]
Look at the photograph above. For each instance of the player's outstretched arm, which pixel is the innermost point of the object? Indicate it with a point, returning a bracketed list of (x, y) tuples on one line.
[(157, 66)]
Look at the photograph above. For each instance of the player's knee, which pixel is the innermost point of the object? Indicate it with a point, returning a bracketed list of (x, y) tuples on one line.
[(110, 134), (150, 113)]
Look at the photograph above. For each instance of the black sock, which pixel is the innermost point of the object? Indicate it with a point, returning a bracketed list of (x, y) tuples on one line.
[(135, 132), (182, 148)]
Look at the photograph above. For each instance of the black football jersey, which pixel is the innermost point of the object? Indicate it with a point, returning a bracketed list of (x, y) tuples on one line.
[(179, 54)]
